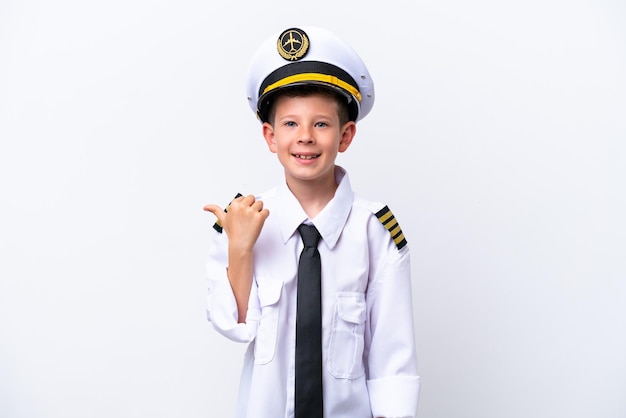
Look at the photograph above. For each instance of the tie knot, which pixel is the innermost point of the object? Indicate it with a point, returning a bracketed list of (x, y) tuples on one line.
[(310, 235)]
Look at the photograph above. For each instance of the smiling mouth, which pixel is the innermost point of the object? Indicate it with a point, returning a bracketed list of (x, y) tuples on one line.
[(306, 157)]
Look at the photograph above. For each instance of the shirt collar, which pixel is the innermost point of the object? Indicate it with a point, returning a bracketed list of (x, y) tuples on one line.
[(329, 222)]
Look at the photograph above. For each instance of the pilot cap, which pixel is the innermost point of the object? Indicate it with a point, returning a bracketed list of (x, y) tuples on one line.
[(308, 55)]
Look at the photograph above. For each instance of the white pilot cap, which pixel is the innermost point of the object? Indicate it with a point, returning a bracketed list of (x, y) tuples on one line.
[(308, 55)]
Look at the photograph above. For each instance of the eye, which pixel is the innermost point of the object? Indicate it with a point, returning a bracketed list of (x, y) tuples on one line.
[(290, 123), (321, 124)]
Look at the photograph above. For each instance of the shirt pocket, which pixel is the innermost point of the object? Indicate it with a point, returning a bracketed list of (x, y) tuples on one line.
[(345, 354), (267, 330)]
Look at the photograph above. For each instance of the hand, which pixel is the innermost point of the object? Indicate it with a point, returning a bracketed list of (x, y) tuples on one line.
[(243, 221)]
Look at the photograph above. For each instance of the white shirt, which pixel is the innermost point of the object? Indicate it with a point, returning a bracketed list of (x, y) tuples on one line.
[(369, 359)]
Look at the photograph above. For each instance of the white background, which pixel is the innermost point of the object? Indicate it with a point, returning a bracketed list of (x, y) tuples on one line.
[(497, 138)]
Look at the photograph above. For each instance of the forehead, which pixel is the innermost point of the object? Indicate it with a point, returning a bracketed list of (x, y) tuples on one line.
[(306, 104)]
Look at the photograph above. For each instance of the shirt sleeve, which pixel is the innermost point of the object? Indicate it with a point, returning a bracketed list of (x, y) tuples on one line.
[(391, 361), (221, 305)]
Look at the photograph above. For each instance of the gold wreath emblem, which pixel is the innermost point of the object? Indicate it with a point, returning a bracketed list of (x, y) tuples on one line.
[(293, 44)]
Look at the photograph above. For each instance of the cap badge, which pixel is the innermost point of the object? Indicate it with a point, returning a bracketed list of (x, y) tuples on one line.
[(293, 44)]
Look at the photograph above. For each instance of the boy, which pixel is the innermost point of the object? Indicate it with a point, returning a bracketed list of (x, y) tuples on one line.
[(331, 334)]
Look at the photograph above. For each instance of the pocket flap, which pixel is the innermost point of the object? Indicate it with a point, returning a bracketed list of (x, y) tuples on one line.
[(351, 307), (269, 292)]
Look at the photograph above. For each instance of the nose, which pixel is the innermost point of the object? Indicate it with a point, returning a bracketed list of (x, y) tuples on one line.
[(306, 135)]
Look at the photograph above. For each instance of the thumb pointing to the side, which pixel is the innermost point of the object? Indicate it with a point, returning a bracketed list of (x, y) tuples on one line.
[(215, 210)]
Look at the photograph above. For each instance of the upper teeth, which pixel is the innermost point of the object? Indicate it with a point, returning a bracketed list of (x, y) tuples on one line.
[(306, 157)]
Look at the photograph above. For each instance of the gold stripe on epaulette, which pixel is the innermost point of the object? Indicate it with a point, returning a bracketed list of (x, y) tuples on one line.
[(217, 225), (389, 221)]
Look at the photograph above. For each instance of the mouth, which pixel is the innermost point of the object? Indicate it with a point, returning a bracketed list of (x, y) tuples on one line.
[(306, 156)]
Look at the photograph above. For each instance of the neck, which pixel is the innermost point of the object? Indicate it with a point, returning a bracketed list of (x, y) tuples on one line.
[(313, 196)]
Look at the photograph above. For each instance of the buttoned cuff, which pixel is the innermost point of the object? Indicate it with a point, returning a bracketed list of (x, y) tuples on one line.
[(394, 396)]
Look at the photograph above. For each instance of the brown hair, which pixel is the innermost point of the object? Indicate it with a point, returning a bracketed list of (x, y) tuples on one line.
[(310, 90)]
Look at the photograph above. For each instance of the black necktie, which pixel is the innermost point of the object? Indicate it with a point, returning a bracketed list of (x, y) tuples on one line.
[(308, 387)]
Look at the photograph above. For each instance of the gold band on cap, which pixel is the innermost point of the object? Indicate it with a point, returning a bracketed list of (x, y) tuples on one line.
[(324, 78)]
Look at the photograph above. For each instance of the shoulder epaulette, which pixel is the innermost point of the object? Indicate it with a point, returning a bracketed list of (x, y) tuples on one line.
[(385, 216), (217, 225)]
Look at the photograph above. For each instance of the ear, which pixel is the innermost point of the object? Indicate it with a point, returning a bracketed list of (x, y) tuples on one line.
[(347, 135), (270, 137)]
